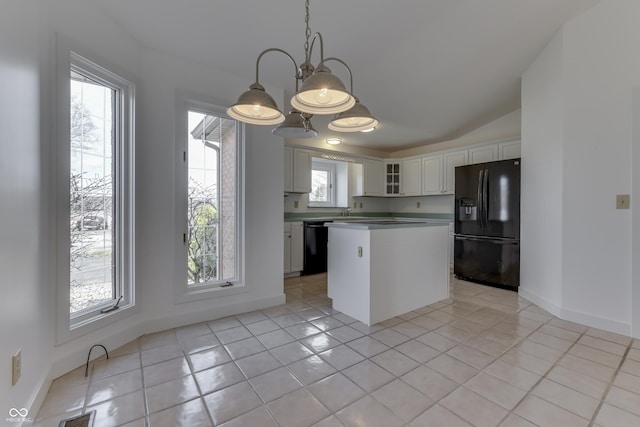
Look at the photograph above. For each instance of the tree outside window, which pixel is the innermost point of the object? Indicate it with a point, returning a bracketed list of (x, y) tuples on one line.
[(212, 217), (90, 194)]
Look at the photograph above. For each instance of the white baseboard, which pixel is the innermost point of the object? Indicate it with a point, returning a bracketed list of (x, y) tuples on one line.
[(162, 323), (540, 302), (36, 401), (586, 319)]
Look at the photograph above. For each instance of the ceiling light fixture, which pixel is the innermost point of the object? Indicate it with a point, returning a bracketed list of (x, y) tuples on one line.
[(356, 119), (296, 125), (321, 92), (333, 141)]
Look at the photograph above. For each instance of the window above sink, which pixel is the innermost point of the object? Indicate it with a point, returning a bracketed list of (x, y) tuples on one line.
[(329, 183)]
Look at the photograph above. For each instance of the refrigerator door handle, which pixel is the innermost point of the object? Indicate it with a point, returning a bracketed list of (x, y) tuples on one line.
[(479, 198), (497, 241), (474, 239), (485, 198)]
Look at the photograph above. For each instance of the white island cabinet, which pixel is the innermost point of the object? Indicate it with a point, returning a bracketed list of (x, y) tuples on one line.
[(381, 269)]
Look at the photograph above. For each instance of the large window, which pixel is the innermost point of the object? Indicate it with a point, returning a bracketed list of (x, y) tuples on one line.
[(91, 185), (98, 229), (213, 208)]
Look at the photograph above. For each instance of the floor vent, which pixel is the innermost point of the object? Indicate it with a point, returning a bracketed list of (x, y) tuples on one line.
[(85, 420)]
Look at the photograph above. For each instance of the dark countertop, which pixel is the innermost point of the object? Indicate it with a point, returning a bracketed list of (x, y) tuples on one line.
[(372, 224)]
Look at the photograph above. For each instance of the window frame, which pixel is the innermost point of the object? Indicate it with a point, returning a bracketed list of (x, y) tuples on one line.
[(68, 58), (330, 167), (183, 292)]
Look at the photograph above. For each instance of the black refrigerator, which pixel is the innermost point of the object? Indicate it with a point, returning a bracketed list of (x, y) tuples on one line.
[(487, 223)]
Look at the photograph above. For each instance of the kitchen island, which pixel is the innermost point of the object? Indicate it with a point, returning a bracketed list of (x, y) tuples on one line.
[(379, 269)]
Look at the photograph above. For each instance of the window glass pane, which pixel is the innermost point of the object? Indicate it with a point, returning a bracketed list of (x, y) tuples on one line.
[(212, 199), (319, 186), (92, 260)]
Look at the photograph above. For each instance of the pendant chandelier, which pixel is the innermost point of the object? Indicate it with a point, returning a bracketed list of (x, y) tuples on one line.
[(321, 92)]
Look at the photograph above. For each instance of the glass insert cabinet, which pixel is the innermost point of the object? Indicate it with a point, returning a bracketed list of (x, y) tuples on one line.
[(392, 179)]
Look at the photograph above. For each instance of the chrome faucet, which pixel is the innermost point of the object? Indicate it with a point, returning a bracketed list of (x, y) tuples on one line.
[(346, 212)]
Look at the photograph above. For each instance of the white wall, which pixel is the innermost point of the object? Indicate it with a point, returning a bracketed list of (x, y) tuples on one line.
[(542, 179), (26, 270), (602, 65), (81, 26), (635, 221), (24, 306), (158, 229), (428, 204), (597, 70), (369, 205)]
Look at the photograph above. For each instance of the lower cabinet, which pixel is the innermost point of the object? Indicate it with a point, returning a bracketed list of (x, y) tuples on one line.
[(293, 247)]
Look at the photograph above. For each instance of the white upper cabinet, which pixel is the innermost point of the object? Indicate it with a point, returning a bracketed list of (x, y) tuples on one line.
[(438, 172), (301, 171), (451, 160), (432, 175), (496, 151), (509, 150), (367, 179), (403, 177), (372, 178), (487, 153), (392, 177), (297, 170), (411, 179)]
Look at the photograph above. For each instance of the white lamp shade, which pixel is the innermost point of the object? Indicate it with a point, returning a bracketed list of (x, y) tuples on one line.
[(322, 93), (356, 119), (257, 107)]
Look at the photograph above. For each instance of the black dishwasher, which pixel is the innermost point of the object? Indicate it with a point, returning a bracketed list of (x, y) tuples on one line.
[(315, 247)]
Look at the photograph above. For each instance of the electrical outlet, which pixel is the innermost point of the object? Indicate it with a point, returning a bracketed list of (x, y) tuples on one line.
[(360, 205), (417, 204), (16, 367), (295, 204), (355, 205), (622, 201)]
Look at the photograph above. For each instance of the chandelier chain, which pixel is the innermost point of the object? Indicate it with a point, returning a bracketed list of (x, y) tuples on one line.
[(307, 31)]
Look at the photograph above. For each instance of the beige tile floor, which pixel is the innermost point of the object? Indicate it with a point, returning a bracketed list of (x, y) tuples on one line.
[(484, 357)]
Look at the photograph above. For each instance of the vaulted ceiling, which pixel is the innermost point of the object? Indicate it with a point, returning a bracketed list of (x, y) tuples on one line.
[(429, 70)]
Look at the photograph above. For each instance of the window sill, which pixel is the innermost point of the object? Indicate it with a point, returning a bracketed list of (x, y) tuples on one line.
[(73, 331), (197, 293), (98, 317)]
